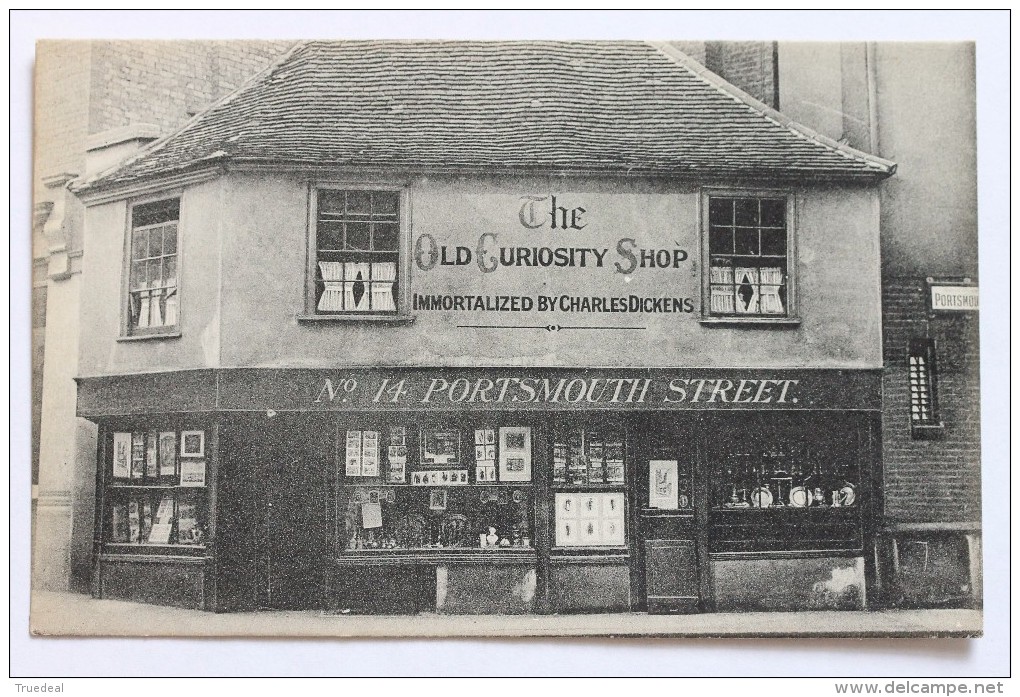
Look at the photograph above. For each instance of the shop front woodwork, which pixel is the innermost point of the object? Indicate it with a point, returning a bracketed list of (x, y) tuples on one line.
[(553, 508)]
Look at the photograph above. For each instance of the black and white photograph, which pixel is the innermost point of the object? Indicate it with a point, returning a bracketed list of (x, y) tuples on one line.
[(507, 337)]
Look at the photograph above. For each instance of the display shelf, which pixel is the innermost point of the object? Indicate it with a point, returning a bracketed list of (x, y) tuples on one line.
[(438, 555), (667, 512), (743, 530), (154, 486), (591, 550), (379, 485), (589, 487), (152, 545), (767, 509)]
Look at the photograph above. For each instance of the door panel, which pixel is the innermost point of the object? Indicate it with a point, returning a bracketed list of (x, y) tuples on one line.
[(671, 576), (670, 541), (295, 529)]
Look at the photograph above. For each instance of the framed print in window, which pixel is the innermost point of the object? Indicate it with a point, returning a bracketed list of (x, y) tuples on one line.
[(192, 443), (663, 485), (437, 499), (515, 454), (192, 472), (440, 448)]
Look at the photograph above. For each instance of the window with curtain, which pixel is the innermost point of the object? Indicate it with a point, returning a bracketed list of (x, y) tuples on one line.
[(748, 265), (357, 241), (153, 302)]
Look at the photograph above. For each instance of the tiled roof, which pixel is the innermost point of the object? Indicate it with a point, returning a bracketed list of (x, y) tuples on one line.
[(613, 107)]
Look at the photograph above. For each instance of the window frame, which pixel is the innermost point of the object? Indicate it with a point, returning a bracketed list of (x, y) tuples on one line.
[(933, 427), (403, 298), (166, 331), (606, 425), (792, 315)]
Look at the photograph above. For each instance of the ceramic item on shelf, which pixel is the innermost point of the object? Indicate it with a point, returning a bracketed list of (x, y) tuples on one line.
[(761, 497), (492, 539), (847, 495), (799, 497)]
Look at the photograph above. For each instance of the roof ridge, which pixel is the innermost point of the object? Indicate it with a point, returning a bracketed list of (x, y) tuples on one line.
[(779, 118), (225, 99)]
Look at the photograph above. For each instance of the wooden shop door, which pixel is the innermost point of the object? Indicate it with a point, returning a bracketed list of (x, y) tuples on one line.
[(295, 539), (670, 519)]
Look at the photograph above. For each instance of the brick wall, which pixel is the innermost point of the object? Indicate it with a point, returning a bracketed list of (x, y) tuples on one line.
[(750, 65), (167, 82), (61, 103), (930, 480)]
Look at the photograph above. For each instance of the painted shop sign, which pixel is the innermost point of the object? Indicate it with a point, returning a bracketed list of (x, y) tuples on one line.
[(543, 389), (565, 391), (954, 298), (632, 246)]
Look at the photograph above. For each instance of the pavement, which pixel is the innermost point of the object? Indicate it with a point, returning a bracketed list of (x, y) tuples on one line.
[(72, 614)]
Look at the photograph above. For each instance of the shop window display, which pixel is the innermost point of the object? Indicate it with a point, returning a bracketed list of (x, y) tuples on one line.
[(155, 492), (783, 474), (434, 488), (589, 469), (779, 487)]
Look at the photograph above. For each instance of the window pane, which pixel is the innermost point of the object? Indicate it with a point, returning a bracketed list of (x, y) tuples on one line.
[(720, 211), (773, 242), (385, 203), (331, 202), (139, 244), (155, 273), (357, 236), (170, 239), (170, 271), (773, 212), (384, 236), (138, 274), (155, 242), (746, 241), (155, 212), (331, 234), (747, 211), (359, 202), (720, 240)]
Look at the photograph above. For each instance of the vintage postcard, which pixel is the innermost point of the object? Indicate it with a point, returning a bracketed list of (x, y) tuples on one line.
[(505, 338)]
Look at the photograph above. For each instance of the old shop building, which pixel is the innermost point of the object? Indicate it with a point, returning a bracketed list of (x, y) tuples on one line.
[(486, 327)]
